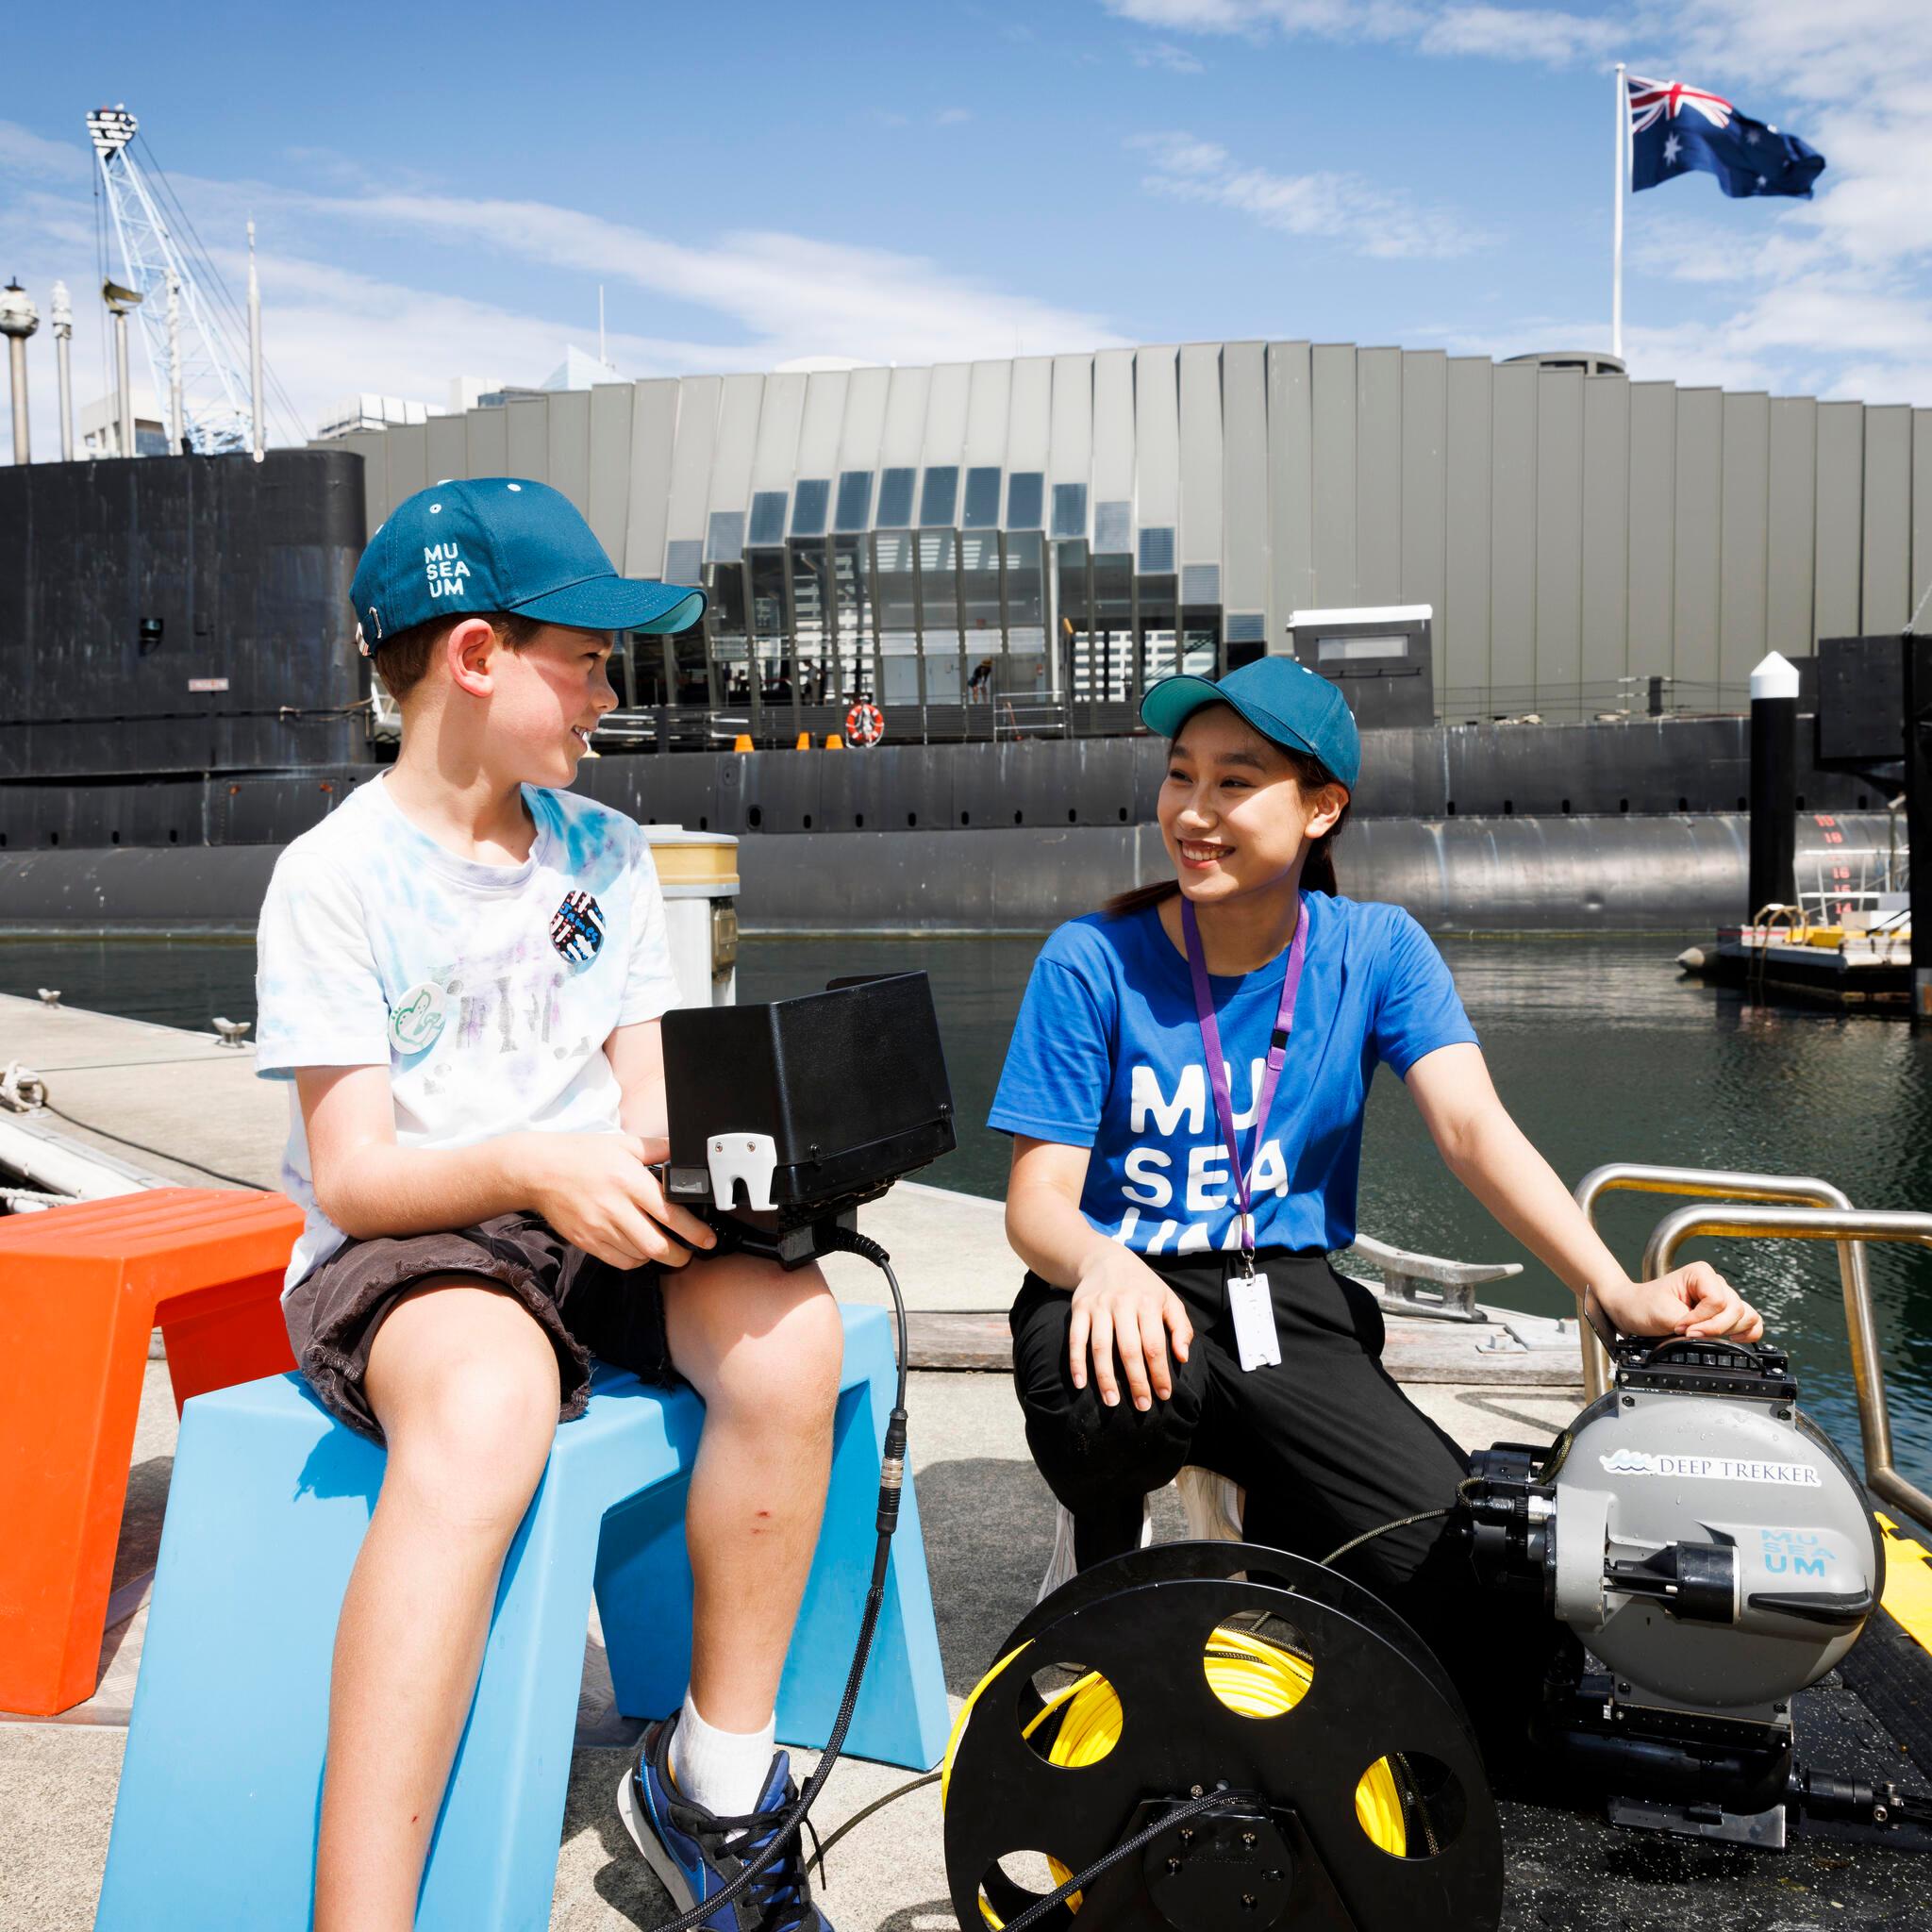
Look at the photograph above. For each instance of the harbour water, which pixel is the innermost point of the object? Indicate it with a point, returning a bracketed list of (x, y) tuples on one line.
[(1597, 1046)]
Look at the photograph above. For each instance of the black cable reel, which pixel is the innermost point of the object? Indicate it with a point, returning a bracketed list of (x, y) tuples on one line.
[(1248, 1739)]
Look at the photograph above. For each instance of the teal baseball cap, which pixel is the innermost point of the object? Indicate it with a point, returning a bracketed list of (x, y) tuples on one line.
[(1287, 702), (487, 544)]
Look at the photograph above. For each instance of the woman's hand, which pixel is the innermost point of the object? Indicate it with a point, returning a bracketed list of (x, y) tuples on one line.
[(1121, 1304), (1695, 1302)]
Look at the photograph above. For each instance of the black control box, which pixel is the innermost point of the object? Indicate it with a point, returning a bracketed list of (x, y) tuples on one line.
[(798, 1110)]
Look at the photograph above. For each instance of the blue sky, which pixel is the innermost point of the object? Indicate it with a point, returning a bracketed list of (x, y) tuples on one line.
[(440, 191)]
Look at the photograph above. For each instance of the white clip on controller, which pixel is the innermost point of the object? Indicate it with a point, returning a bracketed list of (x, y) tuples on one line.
[(752, 1159)]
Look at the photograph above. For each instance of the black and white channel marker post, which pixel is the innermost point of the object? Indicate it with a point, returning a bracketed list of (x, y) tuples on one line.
[(1774, 785)]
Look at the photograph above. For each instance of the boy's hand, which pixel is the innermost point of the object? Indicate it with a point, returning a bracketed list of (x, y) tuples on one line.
[(599, 1193)]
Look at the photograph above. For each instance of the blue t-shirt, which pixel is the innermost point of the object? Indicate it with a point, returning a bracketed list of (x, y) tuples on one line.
[(1107, 1055)]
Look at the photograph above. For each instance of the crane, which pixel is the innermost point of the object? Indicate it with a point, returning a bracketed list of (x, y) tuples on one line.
[(196, 363)]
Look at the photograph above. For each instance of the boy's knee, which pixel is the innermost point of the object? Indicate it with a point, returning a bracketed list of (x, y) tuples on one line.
[(788, 1367), (476, 1440)]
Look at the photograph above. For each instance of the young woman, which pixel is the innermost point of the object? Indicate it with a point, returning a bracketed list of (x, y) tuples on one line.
[(1202, 1047)]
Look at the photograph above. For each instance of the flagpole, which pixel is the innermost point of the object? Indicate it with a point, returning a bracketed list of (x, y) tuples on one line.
[(1617, 245)]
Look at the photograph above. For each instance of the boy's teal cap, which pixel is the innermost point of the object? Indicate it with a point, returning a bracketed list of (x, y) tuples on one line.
[(1287, 702), (502, 544)]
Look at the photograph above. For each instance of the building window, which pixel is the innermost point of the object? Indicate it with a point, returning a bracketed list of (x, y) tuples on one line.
[(1113, 528), (982, 500), (683, 559), (808, 506), (767, 518), (854, 500), (1069, 510), (1200, 582), (895, 499), (725, 537), (1157, 550), (939, 498), (1025, 490), (1246, 627)]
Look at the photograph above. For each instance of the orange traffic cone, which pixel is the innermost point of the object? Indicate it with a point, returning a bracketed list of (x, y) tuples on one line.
[(804, 742), (741, 742), (834, 742)]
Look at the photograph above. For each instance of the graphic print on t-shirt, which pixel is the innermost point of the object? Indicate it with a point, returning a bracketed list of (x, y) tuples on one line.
[(1107, 1055), (576, 928)]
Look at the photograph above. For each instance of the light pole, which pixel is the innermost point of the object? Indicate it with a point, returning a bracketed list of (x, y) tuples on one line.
[(122, 303), (61, 316), (19, 318)]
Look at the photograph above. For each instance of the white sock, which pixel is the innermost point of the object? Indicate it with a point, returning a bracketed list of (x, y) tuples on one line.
[(722, 1771)]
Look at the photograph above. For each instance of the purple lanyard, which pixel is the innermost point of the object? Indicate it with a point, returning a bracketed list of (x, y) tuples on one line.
[(1217, 1065)]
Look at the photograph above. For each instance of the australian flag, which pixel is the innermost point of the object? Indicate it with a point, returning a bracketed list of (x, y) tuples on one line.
[(1674, 128)]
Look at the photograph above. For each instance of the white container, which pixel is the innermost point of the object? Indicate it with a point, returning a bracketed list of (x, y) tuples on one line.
[(698, 872)]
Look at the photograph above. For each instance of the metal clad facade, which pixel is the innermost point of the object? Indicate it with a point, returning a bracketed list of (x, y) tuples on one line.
[(486, 435), (1840, 513), (1921, 506), (1888, 599), (1790, 524), (1291, 482), (1653, 528), (568, 446), (1742, 562), (1699, 473), (1465, 626), (1200, 453), (1512, 535), (1605, 526), (529, 437), (1425, 524), (1245, 541), (1332, 408), (1574, 533), (1559, 530), (609, 512), (653, 435), (446, 447), (1378, 476)]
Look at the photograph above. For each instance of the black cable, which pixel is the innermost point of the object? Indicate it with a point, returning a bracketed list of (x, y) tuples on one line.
[(892, 1481), (858, 1817), (1081, 1880), (142, 1146), (1368, 1535)]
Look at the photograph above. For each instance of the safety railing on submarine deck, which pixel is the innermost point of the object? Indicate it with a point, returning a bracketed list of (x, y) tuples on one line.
[(1715, 1184), (1849, 1227)]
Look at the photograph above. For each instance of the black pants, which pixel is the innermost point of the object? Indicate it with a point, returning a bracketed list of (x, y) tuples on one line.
[(1325, 1444)]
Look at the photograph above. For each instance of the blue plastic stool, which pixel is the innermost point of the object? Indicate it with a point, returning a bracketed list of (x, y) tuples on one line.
[(221, 1787)]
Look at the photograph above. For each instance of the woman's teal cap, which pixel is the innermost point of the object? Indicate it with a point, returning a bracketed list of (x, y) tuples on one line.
[(1287, 702)]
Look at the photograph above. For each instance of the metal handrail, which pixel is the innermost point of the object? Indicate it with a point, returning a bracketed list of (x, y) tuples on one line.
[(1849, 1228), (1712, 1184)]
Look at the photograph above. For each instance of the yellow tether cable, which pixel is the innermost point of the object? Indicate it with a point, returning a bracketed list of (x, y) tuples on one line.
[(1251, 1676)]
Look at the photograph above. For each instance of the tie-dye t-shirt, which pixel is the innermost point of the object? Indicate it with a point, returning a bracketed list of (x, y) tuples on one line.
[(488, 991)]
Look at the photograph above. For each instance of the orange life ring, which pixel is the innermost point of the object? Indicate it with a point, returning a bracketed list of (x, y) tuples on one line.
[(865, 724)]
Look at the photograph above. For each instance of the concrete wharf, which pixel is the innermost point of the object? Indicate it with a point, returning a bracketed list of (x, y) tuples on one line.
[(182, 1109)]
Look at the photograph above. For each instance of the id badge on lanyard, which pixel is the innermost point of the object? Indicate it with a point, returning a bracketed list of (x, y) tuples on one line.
[(1249, 1299)]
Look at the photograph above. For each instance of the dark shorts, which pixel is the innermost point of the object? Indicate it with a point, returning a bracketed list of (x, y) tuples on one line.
[(586, 1307)]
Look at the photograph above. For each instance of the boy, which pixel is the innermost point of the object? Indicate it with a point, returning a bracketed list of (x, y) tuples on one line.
[(463, 971)]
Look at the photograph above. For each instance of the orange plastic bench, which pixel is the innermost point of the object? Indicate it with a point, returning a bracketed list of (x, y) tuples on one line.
[(81, 1289)]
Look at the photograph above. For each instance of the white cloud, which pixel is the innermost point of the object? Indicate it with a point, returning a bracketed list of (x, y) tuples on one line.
[(1853, 77), (1369, 219), (952, 117), (476, 299), (25, 153), (1165, 53)]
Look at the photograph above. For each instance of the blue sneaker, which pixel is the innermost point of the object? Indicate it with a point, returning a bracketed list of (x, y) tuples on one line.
[(696, 1855)]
